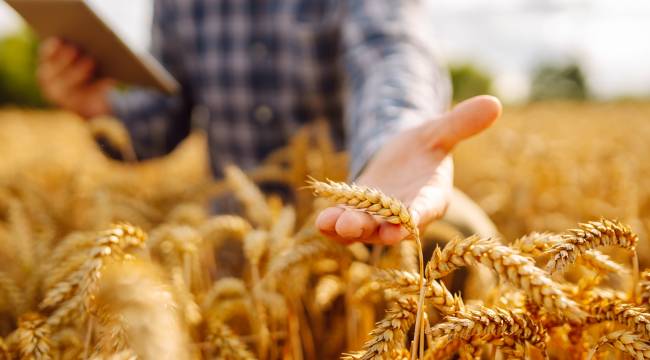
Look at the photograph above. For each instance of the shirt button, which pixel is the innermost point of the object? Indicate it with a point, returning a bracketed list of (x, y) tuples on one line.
[(263, 114), (259, 50)]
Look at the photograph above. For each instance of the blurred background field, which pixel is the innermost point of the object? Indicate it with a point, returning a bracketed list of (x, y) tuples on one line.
[(572, 144), (543, 166)]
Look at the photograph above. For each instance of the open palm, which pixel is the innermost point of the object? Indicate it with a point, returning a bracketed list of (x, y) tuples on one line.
[(414, 167)]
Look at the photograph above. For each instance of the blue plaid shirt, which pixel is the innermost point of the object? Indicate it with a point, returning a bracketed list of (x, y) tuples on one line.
[(254, 71)]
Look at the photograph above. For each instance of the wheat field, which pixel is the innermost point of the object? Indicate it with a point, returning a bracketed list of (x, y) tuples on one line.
[(102, 259)]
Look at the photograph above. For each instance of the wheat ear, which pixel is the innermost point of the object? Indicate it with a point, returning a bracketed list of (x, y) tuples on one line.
[(366, 199), (226, 343), (220, 227), (374, 202), (407, 283), (302, 253), (390, 333), (510, 266), (536, 243), (633, 317), (133, 303), (33, 337), (491, 323), (69, 294), (257, 209), (589, 236), (628, 342)]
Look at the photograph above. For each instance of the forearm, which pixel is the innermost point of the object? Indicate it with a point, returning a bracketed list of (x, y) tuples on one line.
[(394, 79)]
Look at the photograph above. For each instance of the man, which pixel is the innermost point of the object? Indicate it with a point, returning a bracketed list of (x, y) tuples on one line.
[(261, 68)]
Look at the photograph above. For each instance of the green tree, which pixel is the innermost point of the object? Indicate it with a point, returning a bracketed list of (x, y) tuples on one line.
[(18, 61), (469, 81), (552, 81)]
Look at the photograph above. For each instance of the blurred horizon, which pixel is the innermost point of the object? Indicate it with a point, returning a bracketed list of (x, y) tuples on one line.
[(507, 39)]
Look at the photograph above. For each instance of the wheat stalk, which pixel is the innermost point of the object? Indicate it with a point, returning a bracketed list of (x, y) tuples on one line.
[(644, 288), (589, 236), (12, 297), (4, 350), (628, 342)]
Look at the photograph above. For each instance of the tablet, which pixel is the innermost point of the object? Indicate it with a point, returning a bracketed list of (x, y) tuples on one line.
[(76, 22)]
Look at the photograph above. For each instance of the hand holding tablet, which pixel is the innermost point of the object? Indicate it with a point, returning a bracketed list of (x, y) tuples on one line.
[(77, 24)]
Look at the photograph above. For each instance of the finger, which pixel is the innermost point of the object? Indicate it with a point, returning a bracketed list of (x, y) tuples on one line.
[(465, 120), (49, 47), (353, 225), (334, 237), (64, 57), (390, 234), (78, 73), (432, 200), (326, 220)]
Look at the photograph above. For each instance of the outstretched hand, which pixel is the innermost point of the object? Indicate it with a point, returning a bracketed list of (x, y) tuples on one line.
[(414, 167)]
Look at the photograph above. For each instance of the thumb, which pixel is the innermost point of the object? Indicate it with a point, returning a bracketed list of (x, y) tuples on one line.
[(466, 119)]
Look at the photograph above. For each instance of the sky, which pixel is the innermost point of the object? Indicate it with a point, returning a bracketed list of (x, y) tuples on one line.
[(506, 38)]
